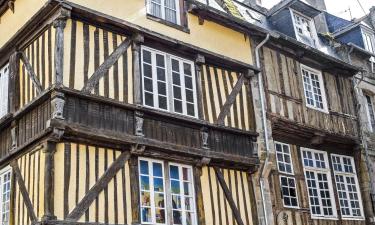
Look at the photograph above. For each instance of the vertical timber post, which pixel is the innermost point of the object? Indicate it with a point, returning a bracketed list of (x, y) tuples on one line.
[(49, 173), (59, 24), (199, 61), (138, 39), (134, 185), (14, 65)]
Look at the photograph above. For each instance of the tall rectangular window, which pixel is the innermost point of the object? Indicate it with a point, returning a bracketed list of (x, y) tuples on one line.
[(4, 77), (5, 181), (304, 28), (369, 41), (314, 88), (370, 113), (287, 181), (347, 186), (318, 182), (168, 10), (168, 82), (166, 189)]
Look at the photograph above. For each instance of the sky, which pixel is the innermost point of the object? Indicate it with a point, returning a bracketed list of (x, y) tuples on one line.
[(339, 7)]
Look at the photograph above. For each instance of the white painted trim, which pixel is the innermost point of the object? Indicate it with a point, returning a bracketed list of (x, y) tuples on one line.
[(4, 83), (313, 32), (327, 171), (346, 174), (3, 171), (322, 88), (163, 7), (368, 111)]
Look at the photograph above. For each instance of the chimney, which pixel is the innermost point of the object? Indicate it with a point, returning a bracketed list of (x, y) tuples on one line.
[(372, 16), (320, 20)]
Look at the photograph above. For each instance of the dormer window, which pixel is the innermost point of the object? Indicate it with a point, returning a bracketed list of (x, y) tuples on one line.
[(168, 10), (304, 28), (369, 41)]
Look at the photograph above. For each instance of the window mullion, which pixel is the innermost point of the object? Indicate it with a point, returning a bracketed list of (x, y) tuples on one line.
[(162, 9), (347, 194), (183, 210), (1, 198), (183, 88), (168, 196), (169, 77), (319, 194), (155, 91)]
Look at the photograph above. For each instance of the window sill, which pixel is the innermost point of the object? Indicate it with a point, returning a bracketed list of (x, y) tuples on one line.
[(317, 109), (323, 218), (170, 24), (353, 218)]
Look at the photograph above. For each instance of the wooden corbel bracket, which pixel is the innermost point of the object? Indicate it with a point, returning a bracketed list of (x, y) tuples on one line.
[(137, 149), (317, 139)]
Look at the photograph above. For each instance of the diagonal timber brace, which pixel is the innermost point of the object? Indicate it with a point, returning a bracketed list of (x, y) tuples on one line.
[(228, 196), (106, 65), (31, 73), (91, 195), (24, 192)]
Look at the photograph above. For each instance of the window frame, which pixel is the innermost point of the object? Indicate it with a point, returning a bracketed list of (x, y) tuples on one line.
[(314, 37), (354, 175), (290, 155), (162, 6), (321, 86), (326, 171), (295, 188), (167, 191), (5, 101), (371, 129), (169, 83), (4, 171), (368, 32)]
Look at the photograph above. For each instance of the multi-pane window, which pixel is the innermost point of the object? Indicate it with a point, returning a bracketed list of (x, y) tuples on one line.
[(168, 10), (4, 77), (287, 183), (347, 186), (318, 182), (304, 28), (370, 113), (168, 82), (167, 193), (5, 181), (314, 88)]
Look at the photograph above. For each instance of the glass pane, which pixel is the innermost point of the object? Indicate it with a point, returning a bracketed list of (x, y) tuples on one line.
[(147, 70), (157, 169), (176, 78), (190, 109), (189, 218), (175, 187), (155, 9), (188, 82), (145, 196), (188, 203), (158, 184), (177, 217), (159, 200), (146, 215), (177, 92), (160, 215), (175, 65), (148, 84), (187, 189), (177, 106), (145, 183), (162, 88), (173, 170), (144, 167), (187, 69), (160, 60), (186, 174), (146, 56), (161, 74), (176, 202), (163, 102), (189, 96), (149, 99)]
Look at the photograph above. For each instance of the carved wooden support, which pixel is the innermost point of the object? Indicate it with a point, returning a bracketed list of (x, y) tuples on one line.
[(205, 136), (49, 171), (57, 104), (203, 162), (197, 172), (137, 149), (14, 135), (318, 139), (138, 39), (138, 123), (59, 24), (134, 186)]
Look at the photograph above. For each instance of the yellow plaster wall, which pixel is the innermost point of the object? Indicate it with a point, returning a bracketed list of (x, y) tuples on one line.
[(11, 22), (209, 36)]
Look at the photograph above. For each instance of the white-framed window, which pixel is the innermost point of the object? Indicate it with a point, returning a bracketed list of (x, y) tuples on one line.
[(370, 113), (369, 41), (304, 28), (287, 182), (313, 87), (4, 79), (168, 10), (347, 186), (319, 183), (5, 188), (166, 189), (168, 82)]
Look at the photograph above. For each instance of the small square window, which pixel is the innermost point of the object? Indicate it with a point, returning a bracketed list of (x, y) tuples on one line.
[(168, 10), (304, 28)]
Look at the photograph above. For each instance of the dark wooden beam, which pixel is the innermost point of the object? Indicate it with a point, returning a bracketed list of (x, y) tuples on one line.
[(30, 71), (14, 65), (228, 196), (106, 65), (49, 171), (136, 56), (134, 185), (91, 195), (230, 100), (24, 192)]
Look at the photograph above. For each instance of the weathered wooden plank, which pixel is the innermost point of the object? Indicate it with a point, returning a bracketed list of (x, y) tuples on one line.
[(30, 71)]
